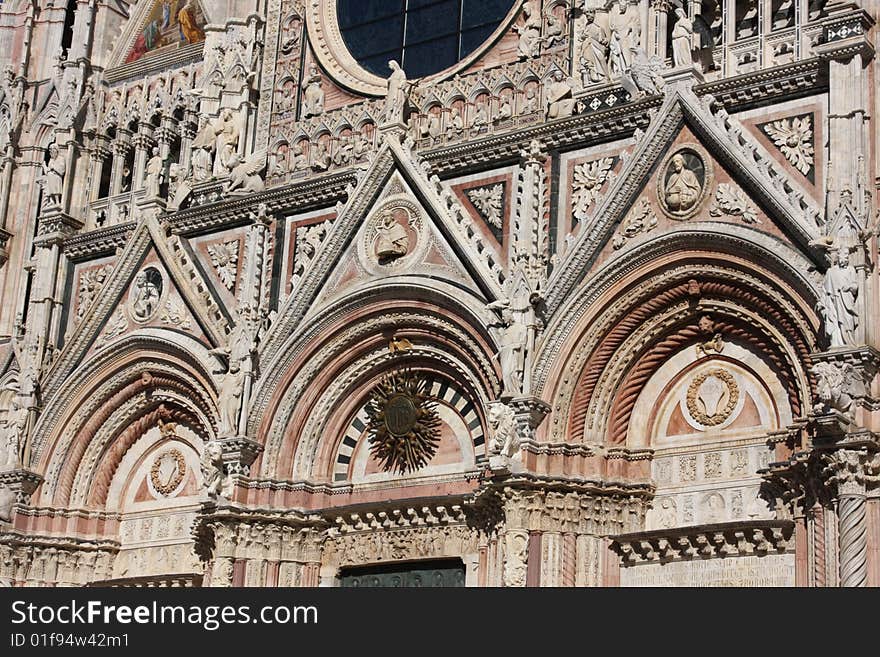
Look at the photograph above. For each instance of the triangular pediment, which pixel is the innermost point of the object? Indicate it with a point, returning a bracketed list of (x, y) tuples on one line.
[(398, 239), (397, 220), (153, 284), (726, 176)]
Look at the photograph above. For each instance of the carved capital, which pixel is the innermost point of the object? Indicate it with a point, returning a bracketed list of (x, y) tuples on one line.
[(852, 471)]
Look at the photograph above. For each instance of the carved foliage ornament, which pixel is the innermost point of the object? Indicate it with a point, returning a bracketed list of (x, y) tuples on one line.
[(794, 137), (588, 179), (712, 396), (489, 201), (403, 426), (224, 257), (730, 200), (167, 472)]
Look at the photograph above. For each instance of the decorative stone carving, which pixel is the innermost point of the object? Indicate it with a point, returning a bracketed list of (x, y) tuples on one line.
[(712, 396), (512, 332), (168, 471), (229, 399), (640, 220), (643, 75), (52, 179), (174, 314), (626, 29), (731, 201), (794, 137), (308, 241), (246, 176), (224, 258), (502, 424), (837, 304), (587, 180), (116, 326), (213, 475), (392, 235), (516, 554), (489, 201), (7, 504), (682, 183), (838, 386), (90, 283), (146, 292), (12, 435)]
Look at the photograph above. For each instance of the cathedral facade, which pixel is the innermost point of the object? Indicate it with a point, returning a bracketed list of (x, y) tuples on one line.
[(439, 293)]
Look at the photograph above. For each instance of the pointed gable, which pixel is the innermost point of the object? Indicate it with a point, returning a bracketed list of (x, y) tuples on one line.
[(172, 294)]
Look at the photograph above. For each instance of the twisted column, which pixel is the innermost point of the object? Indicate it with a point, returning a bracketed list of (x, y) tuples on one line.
[(853, 540), (852, 470)]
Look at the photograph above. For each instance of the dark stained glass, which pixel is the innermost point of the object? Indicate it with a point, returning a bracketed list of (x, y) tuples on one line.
[(424, 36)]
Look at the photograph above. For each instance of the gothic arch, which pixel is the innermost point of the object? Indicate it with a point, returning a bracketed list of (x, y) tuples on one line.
[(316, 386), (120, 393), (608, 346)]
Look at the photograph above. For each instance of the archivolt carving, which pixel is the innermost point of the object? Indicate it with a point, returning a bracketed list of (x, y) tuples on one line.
[(622, 334), (344, 340)]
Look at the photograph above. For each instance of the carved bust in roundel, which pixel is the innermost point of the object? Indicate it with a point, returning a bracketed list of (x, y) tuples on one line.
[(682, 184), (393, 236)]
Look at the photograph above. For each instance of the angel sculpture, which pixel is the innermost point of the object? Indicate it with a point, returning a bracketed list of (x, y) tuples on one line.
[(246, 177)]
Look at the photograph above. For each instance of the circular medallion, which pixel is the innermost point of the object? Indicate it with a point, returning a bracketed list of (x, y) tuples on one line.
[(145, 295), (392, 236), (167, 472), (683, 182), (712, 396), (400, 415)]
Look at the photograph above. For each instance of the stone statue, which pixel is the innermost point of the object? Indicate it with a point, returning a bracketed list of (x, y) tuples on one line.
[(560, 99), (512, 339), (682, 40), (397, 94), (502, 424), (553, 31), (391, 240), (837, 304), (313, 96), (455, 124), (16, 425), (52, 179), (202, 148), (626, 30), (229, 400), (145, 299), (530, 104), (682, 187), (593, 53), (155, 174), (7, 503), (530, 31), (226, 135), (505, 109), (212, 469)]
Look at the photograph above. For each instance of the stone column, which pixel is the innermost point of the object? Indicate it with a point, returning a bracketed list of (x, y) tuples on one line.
[(658, 21), (850, 471), (121, 148), (143, 141)]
